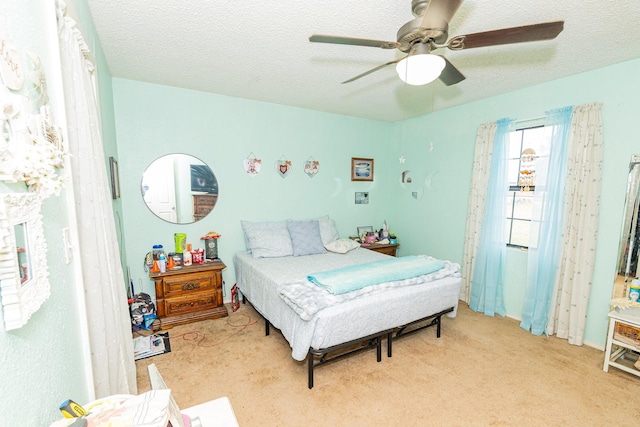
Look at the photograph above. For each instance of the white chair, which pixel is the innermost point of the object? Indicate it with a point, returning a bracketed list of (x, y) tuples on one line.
[(214, 413)]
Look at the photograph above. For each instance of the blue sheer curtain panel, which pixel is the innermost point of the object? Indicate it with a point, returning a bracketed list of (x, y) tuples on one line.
[(488, 272), (547, 224)]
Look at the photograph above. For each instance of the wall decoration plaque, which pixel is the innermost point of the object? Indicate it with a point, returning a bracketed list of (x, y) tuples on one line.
[(252, 165), (283, 166), (24, 277), (10, 66), (311, 167)]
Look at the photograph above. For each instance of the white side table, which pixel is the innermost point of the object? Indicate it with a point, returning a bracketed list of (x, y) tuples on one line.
[(620, 354)]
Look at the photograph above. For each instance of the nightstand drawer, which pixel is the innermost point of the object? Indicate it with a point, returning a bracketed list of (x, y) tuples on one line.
[(387, 249), (190, 282), (180, 305), (208, 200), (201, 210)]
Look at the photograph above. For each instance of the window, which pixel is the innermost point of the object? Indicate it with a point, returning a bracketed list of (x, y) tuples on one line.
[(526, 146)]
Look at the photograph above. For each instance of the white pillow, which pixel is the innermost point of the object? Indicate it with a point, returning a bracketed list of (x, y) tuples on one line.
[(328, 231), (342, 246), (267, 239)]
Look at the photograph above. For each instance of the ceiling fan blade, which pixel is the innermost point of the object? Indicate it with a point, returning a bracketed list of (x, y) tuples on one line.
[(525, 33), (438, 13), (322, 38), (450, 74), (379, 67)]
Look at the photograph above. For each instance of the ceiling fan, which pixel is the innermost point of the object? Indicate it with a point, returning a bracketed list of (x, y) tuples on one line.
[(429, 31)]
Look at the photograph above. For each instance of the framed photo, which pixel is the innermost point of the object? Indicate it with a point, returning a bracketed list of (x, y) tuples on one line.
[(115, 178), (362, 198), (361, 169), (364, 230)]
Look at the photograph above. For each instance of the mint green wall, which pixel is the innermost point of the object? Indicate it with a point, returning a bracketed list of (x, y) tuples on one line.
[(438, 220), (153, 120)]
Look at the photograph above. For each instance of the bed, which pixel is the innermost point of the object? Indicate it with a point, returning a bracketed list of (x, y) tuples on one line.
[(366, 315)]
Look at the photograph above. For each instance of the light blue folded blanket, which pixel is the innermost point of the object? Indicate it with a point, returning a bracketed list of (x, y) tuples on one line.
[(355, 277)]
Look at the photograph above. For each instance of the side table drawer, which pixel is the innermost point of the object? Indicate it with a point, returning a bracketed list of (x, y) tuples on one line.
[(387, 250), (189, 282), (181, 305), (201, 209)]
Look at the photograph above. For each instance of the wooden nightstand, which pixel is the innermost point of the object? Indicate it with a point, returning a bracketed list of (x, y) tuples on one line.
[(387, 249), (202, 205), (189, 294)]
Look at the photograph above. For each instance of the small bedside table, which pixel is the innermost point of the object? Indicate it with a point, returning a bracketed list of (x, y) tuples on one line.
[(387, 249), (189, 294), (622, 340)]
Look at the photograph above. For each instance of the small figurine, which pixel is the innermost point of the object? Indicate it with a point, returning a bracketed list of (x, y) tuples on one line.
[(384, 232)]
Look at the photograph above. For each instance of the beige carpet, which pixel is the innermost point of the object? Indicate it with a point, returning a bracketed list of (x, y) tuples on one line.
[(482, 371)]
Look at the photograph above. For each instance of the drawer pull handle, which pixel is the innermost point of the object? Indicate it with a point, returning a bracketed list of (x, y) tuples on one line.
[(190, 286)]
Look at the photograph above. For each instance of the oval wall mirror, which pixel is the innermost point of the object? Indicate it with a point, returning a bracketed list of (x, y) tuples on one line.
[(179, 188)]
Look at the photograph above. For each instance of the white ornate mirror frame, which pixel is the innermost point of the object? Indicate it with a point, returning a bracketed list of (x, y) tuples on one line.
[(24, 280)]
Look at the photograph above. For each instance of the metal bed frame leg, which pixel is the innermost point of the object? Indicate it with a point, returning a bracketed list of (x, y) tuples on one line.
[(371, 340), (401, 331)]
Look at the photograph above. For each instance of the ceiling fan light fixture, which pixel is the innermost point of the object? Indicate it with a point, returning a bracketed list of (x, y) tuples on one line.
[(420, 69)]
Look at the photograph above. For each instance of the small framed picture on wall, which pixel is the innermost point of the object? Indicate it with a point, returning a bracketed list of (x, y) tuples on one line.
[(362, 198), (361, 169)]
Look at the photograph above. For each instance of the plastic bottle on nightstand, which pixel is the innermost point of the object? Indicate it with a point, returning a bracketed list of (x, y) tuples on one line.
[(162, 262), (186, 256)]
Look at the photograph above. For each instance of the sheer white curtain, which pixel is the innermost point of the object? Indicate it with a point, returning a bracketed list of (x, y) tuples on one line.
[(570, 298), (477, 199), (547, 219), (105, 290)]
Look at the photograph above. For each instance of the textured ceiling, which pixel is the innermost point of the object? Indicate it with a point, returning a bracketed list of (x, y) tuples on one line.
[(260, 50)]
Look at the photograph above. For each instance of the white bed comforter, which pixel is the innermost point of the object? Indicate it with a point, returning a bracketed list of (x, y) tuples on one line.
[(331, 324)]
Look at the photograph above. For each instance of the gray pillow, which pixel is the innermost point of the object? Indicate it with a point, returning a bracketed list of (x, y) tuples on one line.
[(305, 237)]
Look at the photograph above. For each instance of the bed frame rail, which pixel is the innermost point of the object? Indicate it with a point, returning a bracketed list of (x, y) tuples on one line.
[(368, 342), (408, 329)]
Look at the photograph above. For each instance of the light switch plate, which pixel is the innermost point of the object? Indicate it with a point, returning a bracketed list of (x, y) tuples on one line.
[(68, 247)]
